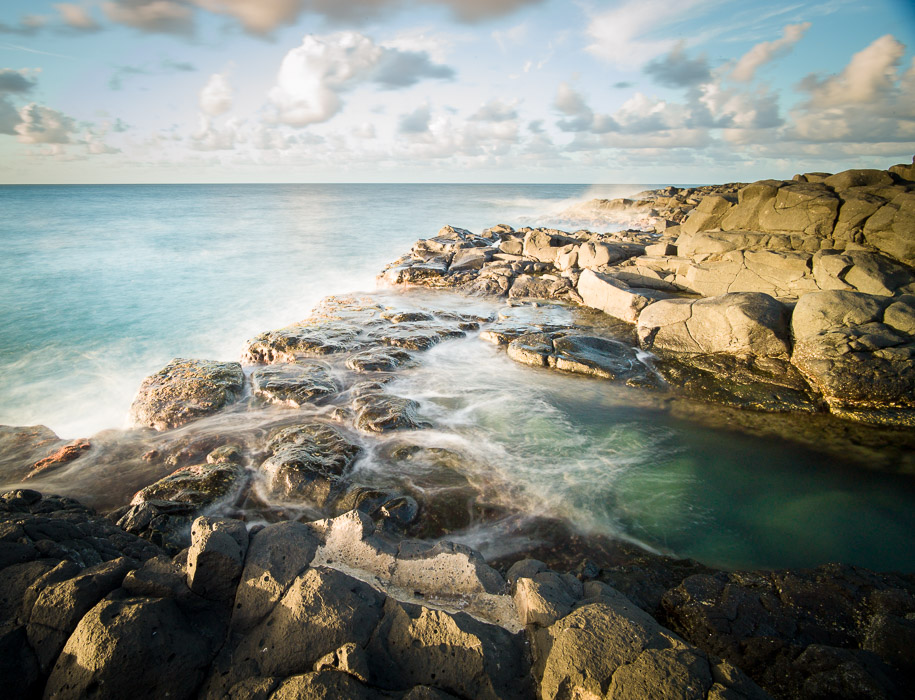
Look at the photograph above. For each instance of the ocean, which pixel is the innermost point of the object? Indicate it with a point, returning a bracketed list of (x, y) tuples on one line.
[(102, 285)]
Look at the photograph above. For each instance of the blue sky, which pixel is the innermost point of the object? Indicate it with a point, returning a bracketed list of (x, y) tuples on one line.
[(452, 90)]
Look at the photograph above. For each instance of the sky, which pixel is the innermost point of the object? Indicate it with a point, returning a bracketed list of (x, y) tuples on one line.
[(589, 91)]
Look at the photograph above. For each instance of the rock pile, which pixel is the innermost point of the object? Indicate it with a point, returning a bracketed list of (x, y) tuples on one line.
[(336, 608), (714, 294)]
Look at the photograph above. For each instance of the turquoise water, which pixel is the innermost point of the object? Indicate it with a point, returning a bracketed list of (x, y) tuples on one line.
[(100, 286)]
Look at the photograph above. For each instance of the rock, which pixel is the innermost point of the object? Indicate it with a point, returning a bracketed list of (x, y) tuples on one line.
[(706, 216), (543, 599), (861, 271), (380, 413), (792, 631), (216, 557), (185, 390), (593, 255), (664, 249), (615, 298), (905, 171), (748, 324), (277, 555), (470, 259), (126, 648), (380, 360), (416, 645), (198, 485), (59, 607), (62, 455), (21, 446), (308, 462), (596, 357), (891, 229), (858, 178), (847, 348), (323, 685), (607, 647), (545, 245), (293, 385), (532, 349), (349, 658), (321, 610)]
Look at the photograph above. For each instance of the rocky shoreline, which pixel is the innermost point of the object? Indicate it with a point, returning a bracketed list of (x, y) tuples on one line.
[(242, 553)]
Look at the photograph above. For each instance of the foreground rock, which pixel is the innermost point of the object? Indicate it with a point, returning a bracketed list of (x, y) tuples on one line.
[(334, 608)]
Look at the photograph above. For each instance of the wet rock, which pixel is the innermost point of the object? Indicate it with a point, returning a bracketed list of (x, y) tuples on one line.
[(847, 347), (185, 390), (756, 383), (62, 455), (122, 647), (380, 360), (21, 446), (301, 341), (198, 485), (35, 527), (216, 557), (582, 354), (165, 524), (380, 413), (308, 462), (293, 385)]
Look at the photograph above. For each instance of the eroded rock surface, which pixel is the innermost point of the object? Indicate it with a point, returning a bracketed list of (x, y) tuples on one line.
[(185, 390)]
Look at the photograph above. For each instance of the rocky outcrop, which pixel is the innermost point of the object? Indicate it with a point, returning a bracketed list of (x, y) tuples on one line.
[(859, 351), (334, 609), (185, 390)]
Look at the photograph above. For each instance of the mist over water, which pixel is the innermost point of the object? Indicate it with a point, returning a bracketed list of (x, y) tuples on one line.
[(101, 286)]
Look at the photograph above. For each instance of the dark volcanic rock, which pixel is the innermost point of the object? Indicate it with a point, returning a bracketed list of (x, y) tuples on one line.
[(185, 390), (198, 485), (293, 385), (380, 413), (801, 633), (308, 463)]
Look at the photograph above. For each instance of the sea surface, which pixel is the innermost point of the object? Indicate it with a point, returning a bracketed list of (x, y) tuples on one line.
[(102, 285)]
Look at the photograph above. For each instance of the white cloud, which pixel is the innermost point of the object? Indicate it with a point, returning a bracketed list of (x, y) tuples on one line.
[(312, 76), (209, 137), (628, 35), (76, 17), (155, 16), (216, 96), (767, 51), (870, 75), (40, 124), (496, 110)]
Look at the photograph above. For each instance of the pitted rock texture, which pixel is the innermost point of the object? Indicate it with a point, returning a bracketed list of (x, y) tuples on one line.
[(185, 390)]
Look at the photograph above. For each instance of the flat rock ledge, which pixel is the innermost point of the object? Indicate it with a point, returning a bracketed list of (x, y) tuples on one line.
[(335, 608), (776, 295)]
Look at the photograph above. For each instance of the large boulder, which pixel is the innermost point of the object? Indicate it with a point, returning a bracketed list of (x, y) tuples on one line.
[(744, 323), (137, 647), (185, 390), (858, 350), (216, 557), (544, 245), (608, 647)]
